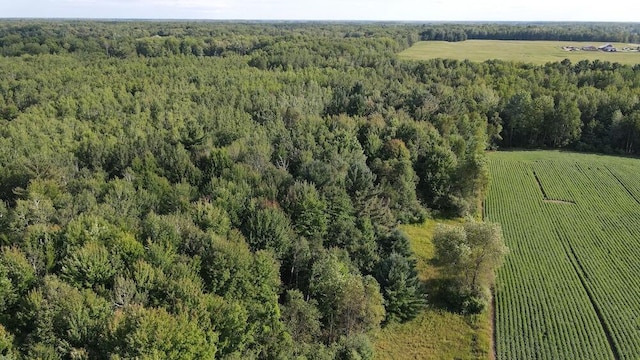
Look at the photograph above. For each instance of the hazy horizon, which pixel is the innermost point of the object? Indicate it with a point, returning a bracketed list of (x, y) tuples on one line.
[(329, 10)]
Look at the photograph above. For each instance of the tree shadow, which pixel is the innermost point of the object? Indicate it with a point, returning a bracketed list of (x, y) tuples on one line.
[(439, 294)]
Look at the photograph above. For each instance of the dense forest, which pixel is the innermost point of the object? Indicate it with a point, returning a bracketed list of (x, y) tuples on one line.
[(191, 190), (129, 38)]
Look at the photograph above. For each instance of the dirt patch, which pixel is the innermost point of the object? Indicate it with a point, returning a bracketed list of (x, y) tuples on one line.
[(565, 202)]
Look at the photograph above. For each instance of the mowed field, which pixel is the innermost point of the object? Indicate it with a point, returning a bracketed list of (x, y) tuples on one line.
[(434, 333), (570, 286), (537, 52)]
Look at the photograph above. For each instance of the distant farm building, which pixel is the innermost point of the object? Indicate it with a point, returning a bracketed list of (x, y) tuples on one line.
[(607, 48)]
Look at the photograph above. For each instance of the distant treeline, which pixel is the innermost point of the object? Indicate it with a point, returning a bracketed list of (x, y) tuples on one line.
[(615, 32), (124, 39)]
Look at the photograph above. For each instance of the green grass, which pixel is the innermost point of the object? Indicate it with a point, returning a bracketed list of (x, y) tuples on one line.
[(435, 333), (569, 289), (537, 52)]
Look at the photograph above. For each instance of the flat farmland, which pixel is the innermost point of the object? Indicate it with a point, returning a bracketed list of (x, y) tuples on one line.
[(569, 289), (537, 52)]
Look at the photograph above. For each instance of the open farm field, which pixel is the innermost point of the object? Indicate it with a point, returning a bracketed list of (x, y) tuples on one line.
[(537, 52), (569, 287)]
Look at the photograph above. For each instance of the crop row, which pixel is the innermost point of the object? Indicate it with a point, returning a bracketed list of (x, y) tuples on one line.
[(568, 288)]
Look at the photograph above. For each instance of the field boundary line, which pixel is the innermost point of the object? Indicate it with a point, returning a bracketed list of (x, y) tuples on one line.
[(580, 271), (546, 198), (544, 194), (622, 184)]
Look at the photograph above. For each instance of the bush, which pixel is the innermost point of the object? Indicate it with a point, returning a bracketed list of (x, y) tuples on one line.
[(356, 347)]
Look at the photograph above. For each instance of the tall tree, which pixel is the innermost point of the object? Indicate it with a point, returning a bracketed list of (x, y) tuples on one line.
[(470, 255), (398, 279), (350, 303)]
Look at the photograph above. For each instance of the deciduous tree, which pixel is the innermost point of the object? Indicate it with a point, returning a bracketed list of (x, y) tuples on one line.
[(470, 254)]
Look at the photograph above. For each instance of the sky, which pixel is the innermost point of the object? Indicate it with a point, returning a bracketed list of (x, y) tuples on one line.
[(403, 10)]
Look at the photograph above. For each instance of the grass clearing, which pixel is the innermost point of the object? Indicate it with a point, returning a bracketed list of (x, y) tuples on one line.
[(569, 287), (536, 52), (435, 333)]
